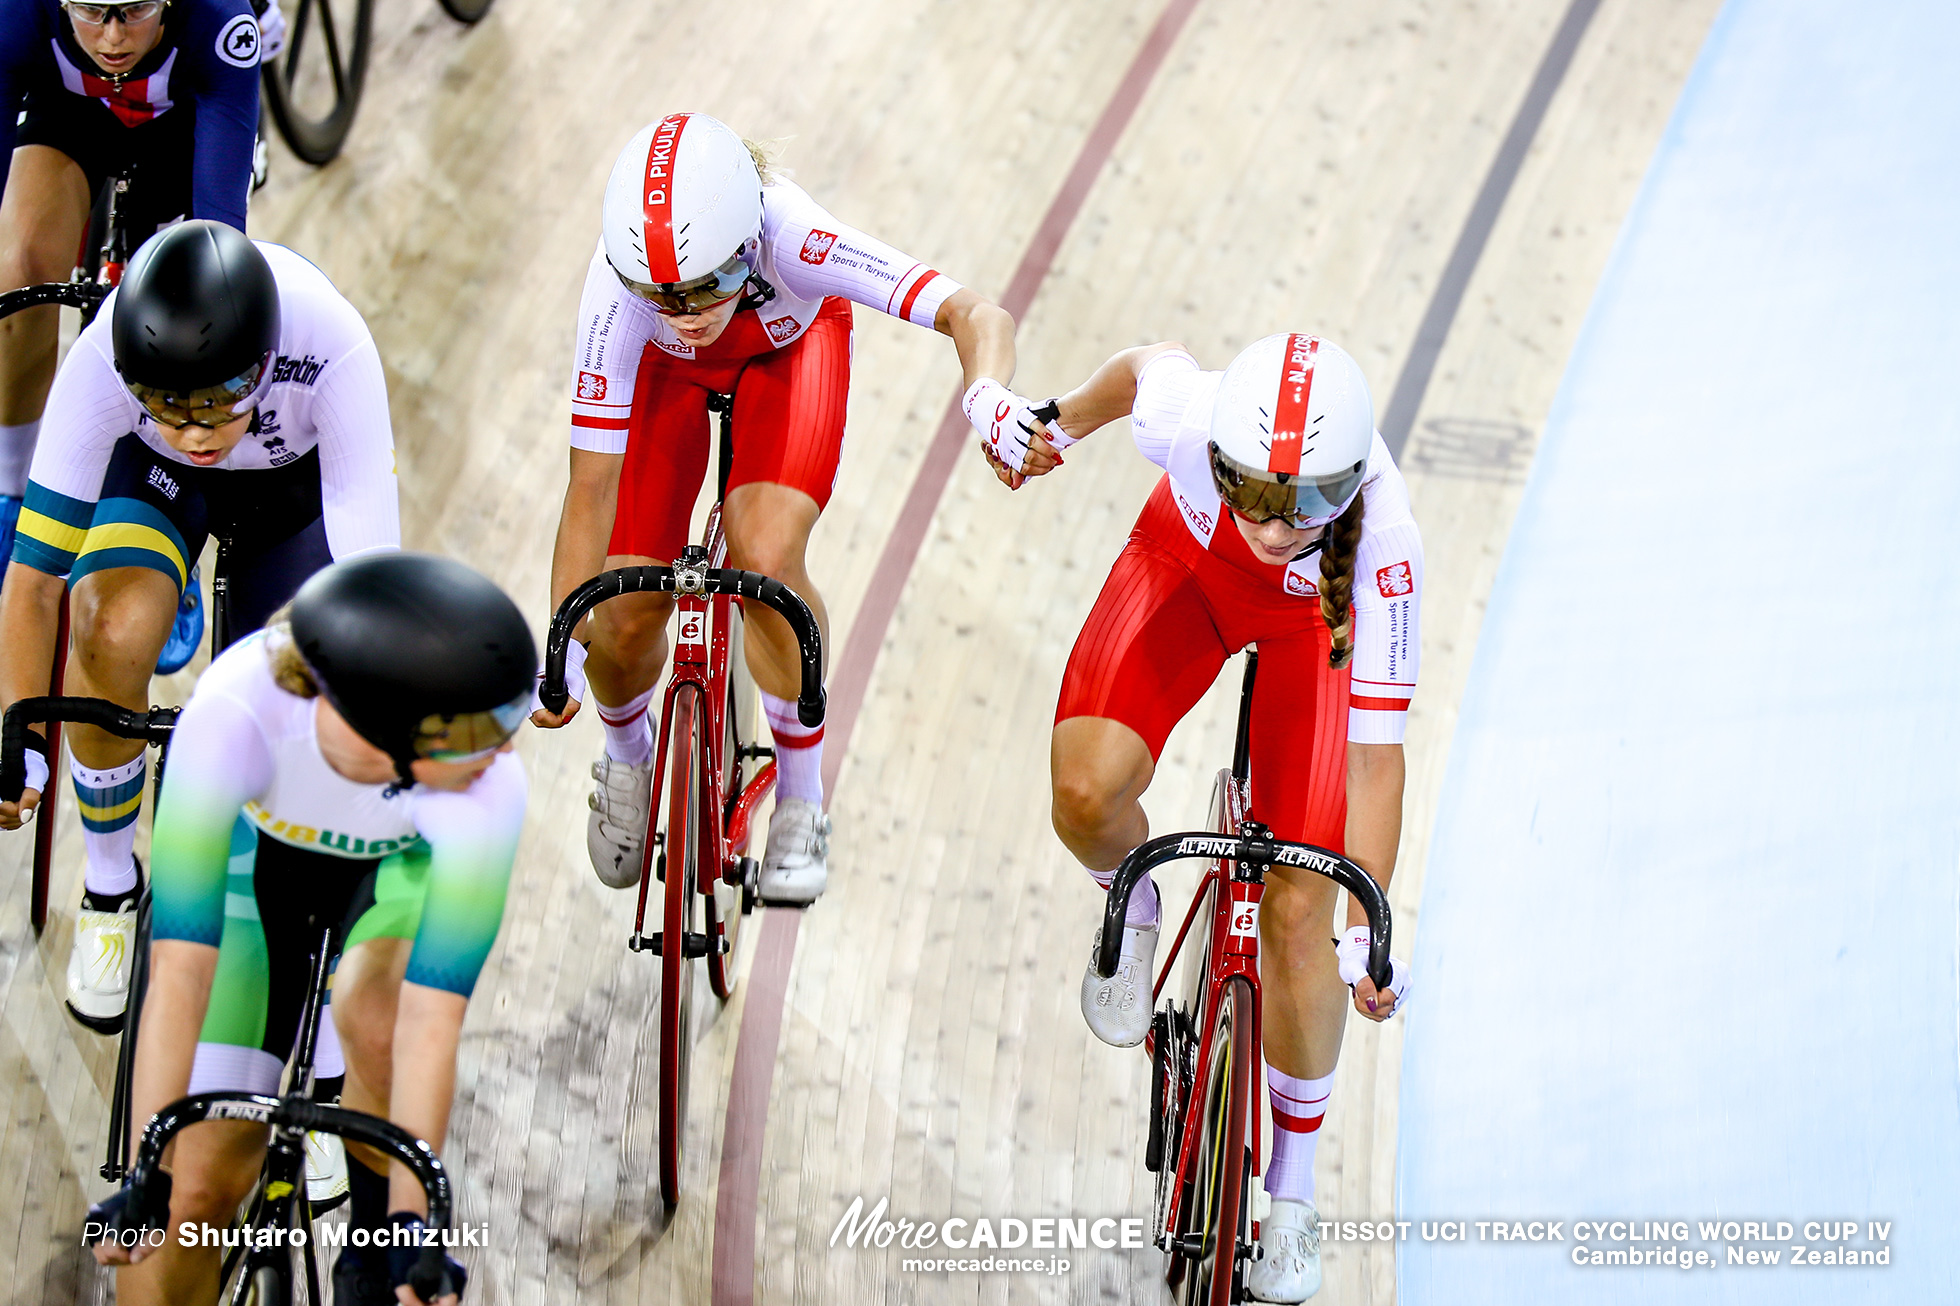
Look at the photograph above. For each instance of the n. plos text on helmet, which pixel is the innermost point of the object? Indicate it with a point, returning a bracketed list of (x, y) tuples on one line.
[(1293, 405), (684, 196)]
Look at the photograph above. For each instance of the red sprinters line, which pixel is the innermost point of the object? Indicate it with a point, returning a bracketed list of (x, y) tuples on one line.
[(768, 983)]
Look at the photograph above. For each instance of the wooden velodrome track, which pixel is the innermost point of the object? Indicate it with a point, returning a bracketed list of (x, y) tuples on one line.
[(1289, 164)]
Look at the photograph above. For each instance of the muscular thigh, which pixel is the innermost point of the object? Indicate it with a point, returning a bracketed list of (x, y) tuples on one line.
[(789, 409), (1148, 651)]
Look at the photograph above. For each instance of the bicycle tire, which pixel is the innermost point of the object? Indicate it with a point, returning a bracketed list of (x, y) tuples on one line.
[(1219, 1211), (466, 11), (726, 905), (676, 973), (271, 1285), (313, 128)]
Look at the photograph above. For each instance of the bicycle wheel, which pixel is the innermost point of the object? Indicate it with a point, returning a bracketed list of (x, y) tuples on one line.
[(1217, 1222), (676, 970), (466, 11), (314, 84), (730, 902)]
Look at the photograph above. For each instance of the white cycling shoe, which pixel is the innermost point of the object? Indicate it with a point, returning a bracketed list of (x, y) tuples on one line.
[(796, 866), (99, 966), (616, 831), (1118, 1008), (1289, 1270), (326, 1171)]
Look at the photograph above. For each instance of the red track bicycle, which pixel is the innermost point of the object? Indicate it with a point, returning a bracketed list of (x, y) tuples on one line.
[(718, 775), (1205, 1050)]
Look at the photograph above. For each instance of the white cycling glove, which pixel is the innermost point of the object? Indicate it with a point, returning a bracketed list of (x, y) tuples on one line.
[(1352, 952), (1003, 419), (574, 678), (37, 770), (272, 33)]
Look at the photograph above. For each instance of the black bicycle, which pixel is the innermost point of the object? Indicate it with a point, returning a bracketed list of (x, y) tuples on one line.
[(313, 85), (258, 1270)]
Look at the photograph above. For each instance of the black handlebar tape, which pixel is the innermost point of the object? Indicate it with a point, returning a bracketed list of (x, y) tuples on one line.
[(773, 593), (74, 294), (1152, 853), (152, 727)]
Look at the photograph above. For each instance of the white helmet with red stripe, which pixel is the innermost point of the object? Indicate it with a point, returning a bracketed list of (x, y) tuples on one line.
[(683, 202), (1291, 429)]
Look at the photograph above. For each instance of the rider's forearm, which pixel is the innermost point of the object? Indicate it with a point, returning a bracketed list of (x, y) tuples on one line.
[(1375, 775), (585, 526), (30, 607), (1110, 392), (173, 1014), (982, 332), (428, 1027)]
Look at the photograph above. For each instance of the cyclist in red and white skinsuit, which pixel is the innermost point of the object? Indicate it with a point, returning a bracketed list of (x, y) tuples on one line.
[(1278, 502), (711, 277)]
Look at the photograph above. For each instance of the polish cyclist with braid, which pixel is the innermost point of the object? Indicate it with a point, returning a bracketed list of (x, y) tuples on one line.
[(1281, 520), (714, 276)]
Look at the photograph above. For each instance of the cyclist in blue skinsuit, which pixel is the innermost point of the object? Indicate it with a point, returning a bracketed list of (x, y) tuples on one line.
[(86, 91)]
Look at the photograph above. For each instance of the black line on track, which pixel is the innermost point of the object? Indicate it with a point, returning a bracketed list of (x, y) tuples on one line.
[(1413, 384)]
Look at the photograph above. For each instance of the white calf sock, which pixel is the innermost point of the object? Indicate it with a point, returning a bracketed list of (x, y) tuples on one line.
[(799, 751), (1299, 1105), (629, 736)]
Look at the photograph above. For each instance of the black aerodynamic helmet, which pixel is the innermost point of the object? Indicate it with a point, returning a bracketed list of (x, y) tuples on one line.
[(196, 323), (422, 655)]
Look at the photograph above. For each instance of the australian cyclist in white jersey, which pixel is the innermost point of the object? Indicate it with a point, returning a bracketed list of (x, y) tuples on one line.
[(228, 390)]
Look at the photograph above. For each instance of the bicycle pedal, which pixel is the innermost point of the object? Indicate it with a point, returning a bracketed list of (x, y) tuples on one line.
[(1191, 1246), (692, 944), (741, 872)]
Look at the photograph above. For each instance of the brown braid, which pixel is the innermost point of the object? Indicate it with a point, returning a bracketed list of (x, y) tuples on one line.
[(1337, 580)]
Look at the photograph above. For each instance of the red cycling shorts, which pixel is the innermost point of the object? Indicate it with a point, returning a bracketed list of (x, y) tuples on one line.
[(788, 430), (1166, 620)]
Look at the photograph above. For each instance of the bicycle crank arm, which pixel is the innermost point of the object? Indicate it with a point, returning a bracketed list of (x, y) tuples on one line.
[(692, 944)]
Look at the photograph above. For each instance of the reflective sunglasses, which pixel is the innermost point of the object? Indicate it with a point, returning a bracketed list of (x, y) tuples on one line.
[(679, 298), (1301, 502), (133, 14), (471, 735), (208, 406)]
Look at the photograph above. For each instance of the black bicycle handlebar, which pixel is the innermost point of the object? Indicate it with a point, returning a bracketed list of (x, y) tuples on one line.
[(297, 1113), (1257, 849), (75, 294), (693, 580), (152, 727)]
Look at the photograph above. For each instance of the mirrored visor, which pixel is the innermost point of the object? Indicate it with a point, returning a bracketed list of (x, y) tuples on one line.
[(1304, 501), (208, 406), (696, 296), (470, 735)]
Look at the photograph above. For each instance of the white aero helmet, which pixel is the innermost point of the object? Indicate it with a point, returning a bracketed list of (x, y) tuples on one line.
[(683, 202), (1290, 430)]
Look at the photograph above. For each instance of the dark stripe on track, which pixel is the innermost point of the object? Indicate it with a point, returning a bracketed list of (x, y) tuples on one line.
[(1413, 384), (768, 982)]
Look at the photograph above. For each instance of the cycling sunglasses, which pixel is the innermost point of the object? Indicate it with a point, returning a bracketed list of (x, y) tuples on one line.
[(471, 735), (1302, 502), (133, 14), (679, 298), (208, 406)]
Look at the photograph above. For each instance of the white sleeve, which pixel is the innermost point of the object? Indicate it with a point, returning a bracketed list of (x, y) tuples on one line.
[(1387, 629), (88, 410), (1164, 393), (816, 255), (358, 495), (613, 330)]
